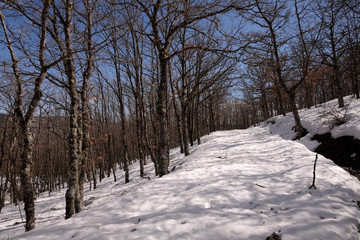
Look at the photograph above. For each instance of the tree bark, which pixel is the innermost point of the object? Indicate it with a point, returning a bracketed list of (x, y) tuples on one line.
[(84, 147), (300, 131), (177, 117), (162, 150), (123, 131), (69, 64), (26, 178), (184, 99)]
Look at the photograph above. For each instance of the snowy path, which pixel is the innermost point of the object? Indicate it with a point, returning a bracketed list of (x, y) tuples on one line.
[(242, 184)]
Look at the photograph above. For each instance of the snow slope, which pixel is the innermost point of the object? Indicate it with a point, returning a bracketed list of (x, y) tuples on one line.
[(320, 120), (240, 184)]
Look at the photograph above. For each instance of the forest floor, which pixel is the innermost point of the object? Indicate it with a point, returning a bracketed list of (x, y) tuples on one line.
[(239, 184)]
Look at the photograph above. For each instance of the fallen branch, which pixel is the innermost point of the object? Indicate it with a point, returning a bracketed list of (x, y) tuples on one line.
[(313, 183), (259, 185)]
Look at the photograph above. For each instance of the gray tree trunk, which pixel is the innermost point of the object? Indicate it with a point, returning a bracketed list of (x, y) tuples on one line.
[(84, 147), (69, 64)]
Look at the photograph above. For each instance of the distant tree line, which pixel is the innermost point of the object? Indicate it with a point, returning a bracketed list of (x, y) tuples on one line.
[(89, 86)]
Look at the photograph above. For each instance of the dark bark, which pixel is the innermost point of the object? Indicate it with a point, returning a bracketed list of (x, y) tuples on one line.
[(211, 113), (300, 131), (281, 108), (197, 119), (3, 163), (3, 190), (356, 83), (314, 173), (264, 104), (93, 172), (354, 59), (162, 150), (185, 129)]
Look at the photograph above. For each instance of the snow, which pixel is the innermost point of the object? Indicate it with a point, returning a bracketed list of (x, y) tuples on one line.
[(239, 184), (321, 119)]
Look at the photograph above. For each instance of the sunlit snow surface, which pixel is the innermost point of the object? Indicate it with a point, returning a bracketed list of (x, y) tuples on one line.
[(241, 184)]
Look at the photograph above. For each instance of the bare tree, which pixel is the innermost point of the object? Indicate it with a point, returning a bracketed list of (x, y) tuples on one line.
[(331, 47), (84, 137), (273, 16), (62, 21), (24, 116), (166, 19)]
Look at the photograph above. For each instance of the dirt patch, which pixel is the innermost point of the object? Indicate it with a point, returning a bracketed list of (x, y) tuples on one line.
[(344, 151)]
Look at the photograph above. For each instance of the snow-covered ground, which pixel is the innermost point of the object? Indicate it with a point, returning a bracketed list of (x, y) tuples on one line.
[(320, 120), (240, 184)]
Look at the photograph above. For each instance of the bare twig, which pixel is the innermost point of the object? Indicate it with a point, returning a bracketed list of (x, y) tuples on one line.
[(313, 183)]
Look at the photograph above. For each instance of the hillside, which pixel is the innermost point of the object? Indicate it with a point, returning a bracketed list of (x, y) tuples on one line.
[(239, 184)]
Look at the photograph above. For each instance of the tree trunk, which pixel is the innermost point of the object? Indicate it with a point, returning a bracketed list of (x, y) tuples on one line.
[(93, 172), (4, 185), (161, 113), (26, 178), (125, 157), (79, 195), (74, 150), (300, 131), (73, 178), (73, 183), (338, 86), (211, 114), (85, 134), (123, 140), (184, 128), (335, 65), (355, 76), (140, 132), (151, 144), (264, 104), (3, 189), (197, 121), (190, 125), (178, 120)]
